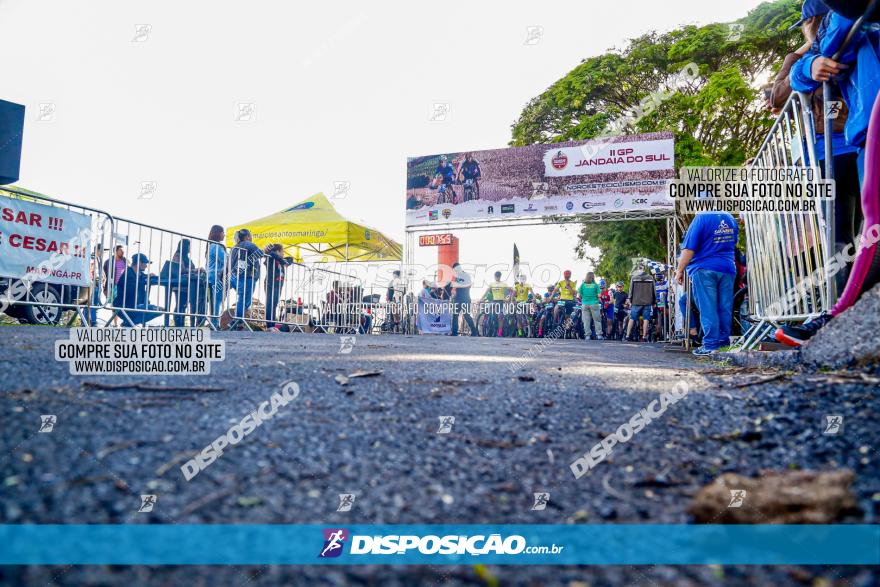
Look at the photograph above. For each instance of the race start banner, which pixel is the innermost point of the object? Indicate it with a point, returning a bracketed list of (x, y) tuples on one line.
[(47, 243), (615, 174)]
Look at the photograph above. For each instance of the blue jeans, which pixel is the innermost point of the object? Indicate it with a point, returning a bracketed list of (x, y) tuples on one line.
[(682, 306), (245, 290), (713, 291), (215, 291), (96, 301)]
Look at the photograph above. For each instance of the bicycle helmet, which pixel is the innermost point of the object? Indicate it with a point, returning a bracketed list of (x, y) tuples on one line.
[(602, 283)]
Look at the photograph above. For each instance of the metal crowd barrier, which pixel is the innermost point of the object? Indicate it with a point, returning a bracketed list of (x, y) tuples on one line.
[(141, 275), (151, 277), (33, 297), (784, 248)]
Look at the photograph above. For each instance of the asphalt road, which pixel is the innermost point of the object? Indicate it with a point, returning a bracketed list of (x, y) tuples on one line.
[(515, 433)]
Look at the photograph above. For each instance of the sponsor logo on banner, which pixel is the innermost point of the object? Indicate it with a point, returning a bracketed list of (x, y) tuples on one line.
[(545, 180), (303, 206), (559, 161), (640, 201), (588, 205), (623, 157), (618, 202)]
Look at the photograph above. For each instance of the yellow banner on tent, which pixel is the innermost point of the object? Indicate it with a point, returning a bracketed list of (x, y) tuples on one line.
[(313, 226)]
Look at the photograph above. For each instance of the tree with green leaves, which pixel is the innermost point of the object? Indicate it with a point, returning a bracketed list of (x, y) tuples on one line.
[(718, 118)]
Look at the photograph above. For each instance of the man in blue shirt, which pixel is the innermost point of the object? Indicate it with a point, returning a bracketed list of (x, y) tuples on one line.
[(707, 255)]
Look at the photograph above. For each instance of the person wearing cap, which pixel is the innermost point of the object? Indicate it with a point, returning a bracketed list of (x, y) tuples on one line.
[(707, 254), (133, 293)]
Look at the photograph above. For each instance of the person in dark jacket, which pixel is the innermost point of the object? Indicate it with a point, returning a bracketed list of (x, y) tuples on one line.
[(643, 295), (244, 259), (180, 278), (276, 263), (133, 292)]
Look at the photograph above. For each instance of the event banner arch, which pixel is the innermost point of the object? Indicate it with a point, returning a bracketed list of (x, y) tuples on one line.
[(596, 177)]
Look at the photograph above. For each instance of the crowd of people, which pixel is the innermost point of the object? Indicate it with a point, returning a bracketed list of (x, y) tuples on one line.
[(838, 68), (189, 291), (590, 310)]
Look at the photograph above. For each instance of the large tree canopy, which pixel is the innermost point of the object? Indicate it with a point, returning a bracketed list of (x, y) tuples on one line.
[(718, 118)]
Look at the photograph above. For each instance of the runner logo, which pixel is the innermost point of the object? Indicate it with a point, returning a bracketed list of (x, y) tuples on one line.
[(346, 500), (334, 539), (833, 425), (346, 344), (446, 423), (737, 497), (47, 423), (541, 501), (147, 503)]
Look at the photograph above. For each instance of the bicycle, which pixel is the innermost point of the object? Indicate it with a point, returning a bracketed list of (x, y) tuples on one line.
[(471, 190), (443, 192)]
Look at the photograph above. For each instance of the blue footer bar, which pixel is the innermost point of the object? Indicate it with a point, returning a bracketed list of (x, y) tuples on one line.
[(620, 544)]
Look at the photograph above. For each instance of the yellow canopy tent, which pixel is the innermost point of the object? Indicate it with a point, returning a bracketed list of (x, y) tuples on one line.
[(315, 227)]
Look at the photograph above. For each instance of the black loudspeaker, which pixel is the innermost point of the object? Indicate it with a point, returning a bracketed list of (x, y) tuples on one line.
[(11, 131), (853, 9)]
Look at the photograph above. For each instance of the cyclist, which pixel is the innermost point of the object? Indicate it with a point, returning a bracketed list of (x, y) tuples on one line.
[(662, 290), (565, 291), (544, 303), (607, 308), (521, 295), (497, 293), (620, 298), (470, 169), (447, 174)]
